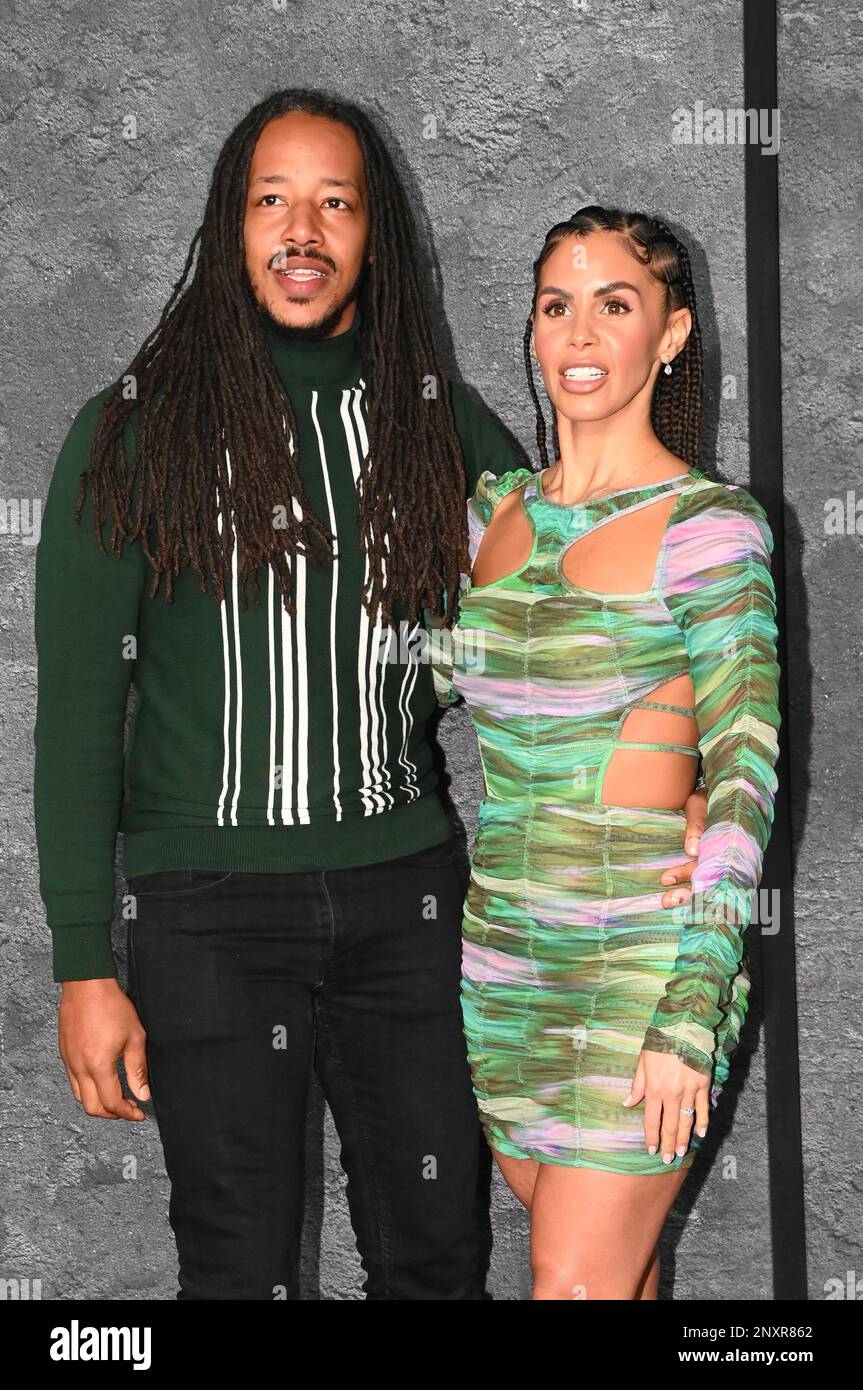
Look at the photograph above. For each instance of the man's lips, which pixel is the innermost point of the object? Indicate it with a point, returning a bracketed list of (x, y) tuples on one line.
[(301, 273)]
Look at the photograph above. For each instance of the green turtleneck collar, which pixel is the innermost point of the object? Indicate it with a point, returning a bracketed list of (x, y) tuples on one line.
[(328, 362)]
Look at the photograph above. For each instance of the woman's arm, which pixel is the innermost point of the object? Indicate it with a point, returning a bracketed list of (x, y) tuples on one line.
[(481, 506), (716, 583)]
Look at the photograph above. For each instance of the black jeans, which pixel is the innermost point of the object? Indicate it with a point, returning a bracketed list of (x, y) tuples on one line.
[(244, 982)]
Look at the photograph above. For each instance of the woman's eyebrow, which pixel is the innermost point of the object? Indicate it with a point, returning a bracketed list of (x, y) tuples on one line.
[(617, 285), (601, 289)]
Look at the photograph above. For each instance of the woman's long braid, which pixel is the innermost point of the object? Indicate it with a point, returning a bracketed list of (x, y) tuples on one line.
[(676, 407), (208, 392), (540, 413), (677, 400)]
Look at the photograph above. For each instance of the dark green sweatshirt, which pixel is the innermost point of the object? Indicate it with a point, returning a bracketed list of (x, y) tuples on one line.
[(260, 743)]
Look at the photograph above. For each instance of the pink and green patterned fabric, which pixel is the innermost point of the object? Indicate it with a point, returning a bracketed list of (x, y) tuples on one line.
[(571, 965)]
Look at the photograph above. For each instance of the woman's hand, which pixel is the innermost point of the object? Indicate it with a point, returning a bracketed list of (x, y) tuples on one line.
[(695, 810), (668, 1086)]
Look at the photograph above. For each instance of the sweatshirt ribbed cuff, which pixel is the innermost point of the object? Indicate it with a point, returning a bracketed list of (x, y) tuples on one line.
[(83, 953)]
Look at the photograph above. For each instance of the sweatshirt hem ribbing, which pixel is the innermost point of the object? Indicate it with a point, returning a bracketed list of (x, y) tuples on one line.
[(289, 848)]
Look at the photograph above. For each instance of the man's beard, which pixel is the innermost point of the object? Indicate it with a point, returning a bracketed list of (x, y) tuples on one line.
[(313, 332)]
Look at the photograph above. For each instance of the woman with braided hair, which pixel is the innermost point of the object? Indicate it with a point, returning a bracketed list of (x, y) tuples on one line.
[(619, 620)]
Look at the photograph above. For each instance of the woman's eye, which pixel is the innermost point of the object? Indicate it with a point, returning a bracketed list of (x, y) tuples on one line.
[(616, 304), (337, 200), (554, 304), (266, 199)]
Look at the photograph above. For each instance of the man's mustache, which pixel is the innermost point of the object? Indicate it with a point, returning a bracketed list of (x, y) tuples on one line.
[(283, 255)]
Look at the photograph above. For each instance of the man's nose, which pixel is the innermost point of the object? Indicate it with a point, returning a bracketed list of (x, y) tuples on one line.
[(301, 228)]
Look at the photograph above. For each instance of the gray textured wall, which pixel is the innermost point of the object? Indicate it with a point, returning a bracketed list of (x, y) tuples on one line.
[(540, 108), (820, 190)]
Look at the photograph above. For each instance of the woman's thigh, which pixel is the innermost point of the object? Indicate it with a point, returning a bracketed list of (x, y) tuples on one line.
[(593, 1233)]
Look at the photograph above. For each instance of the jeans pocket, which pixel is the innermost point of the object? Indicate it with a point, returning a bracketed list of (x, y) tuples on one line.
[(177, 883)]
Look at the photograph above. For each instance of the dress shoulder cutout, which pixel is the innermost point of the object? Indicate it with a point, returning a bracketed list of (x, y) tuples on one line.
[(491, 489)]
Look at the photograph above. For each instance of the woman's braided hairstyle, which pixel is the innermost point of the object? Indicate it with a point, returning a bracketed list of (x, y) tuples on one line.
[(677, 399), (206, 388)]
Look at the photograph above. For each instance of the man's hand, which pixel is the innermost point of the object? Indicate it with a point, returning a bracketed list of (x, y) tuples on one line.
[(695, 810), (97, 1025)]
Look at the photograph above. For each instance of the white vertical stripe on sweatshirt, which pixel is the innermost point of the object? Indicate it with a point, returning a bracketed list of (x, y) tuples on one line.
[(287, 760), (370, 804), (409, 680), (271, 648), (238, 665), (302, 789), (226, 718), (377, 668), (334, 687), (294, 795), (380, 655)]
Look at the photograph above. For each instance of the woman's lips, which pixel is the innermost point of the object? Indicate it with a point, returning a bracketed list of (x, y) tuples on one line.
[(582, 387)]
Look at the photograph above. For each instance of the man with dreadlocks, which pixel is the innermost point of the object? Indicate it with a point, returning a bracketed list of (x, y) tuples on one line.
[(296, 886)]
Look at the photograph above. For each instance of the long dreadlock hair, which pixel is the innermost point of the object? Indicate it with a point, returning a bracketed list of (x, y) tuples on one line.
[(677, 399), (213, 415)]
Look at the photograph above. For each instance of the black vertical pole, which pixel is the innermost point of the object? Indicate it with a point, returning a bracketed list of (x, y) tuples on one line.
[(773, 955)]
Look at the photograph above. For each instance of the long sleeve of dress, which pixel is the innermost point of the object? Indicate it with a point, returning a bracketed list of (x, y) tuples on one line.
[(441, 660), (716, 583)]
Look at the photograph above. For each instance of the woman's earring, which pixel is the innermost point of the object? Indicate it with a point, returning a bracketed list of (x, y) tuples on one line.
[(668, 369)]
